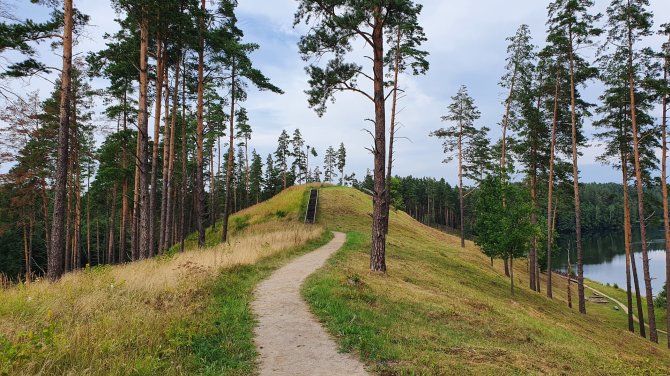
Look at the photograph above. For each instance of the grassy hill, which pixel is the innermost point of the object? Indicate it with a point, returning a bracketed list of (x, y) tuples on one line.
[(442, 310), (439, 310), (178, 314)]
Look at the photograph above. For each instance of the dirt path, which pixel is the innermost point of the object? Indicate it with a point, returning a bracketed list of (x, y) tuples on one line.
[(288, 337), (623, 306)]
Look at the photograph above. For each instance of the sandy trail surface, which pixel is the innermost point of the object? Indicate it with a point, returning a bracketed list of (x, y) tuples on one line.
[(288, 337)]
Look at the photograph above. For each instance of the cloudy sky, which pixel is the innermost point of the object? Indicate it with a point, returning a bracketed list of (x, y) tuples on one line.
[(466, 42)]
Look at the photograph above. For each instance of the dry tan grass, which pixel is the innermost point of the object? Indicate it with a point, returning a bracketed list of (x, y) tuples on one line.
[(124, 311)]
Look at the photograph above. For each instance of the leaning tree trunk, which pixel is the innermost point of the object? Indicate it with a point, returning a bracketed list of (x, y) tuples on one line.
[(653, 335), (575, 178), (391, 133), (56, 249), (378, 248), (199, 135), (550, 190)]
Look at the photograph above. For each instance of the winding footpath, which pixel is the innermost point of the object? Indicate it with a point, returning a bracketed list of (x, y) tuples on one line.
[(288, 337)]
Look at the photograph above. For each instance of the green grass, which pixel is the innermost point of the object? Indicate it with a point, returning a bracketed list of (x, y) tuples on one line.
[(442, 310)]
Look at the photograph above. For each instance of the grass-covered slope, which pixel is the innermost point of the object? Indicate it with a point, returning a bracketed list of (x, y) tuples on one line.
[(177, 314), (444, 310)]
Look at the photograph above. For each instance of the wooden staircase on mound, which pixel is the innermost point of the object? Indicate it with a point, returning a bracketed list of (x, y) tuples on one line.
[(310, 215)]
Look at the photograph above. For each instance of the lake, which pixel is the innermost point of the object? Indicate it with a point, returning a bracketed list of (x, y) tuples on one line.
[(605, 258)]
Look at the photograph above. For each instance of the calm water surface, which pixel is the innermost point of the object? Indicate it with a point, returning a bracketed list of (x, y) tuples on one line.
[(605, 258)]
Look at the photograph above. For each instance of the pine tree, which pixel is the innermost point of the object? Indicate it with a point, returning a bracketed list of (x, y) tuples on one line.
[(338, 25), (244, 132), (256, 180), (299, 156), (329, 162), (282, 155), (57, 247), (341, 161), (457, 137), (570, 28), (628, 22), (615, 125)]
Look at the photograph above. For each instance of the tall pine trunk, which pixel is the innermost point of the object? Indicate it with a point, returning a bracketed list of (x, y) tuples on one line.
[(378, 248), (199, 135), (144, 227), (550, 189), (394, 102), (653, 335), (56, 249), (229, 167), (169, 186), (628, 243), (460, 184), (575, 178), (124, 190), (166, 165), (160, 73), (184, 181), (664, 184), (110, 230)]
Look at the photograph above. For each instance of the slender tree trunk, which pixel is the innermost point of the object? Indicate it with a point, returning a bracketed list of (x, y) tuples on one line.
[(575, 173), (392, 132), (169, 184), (569, 280), (664, 186), (511, 273), (56, 249), (160, 74), (68, 219), (460, 183), (550, 190), (26, 252), (124, 190), (144, 228), (534, 275), (508, 105), (627, 242), (653, 335), (76, 239), (199, 136), (135, 221), (166, 166), (182, 215), (246, 161), (378, 248), (88, 218), (229, 168), (110, 238), (212, 188), (97, 241), (45, 211)]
